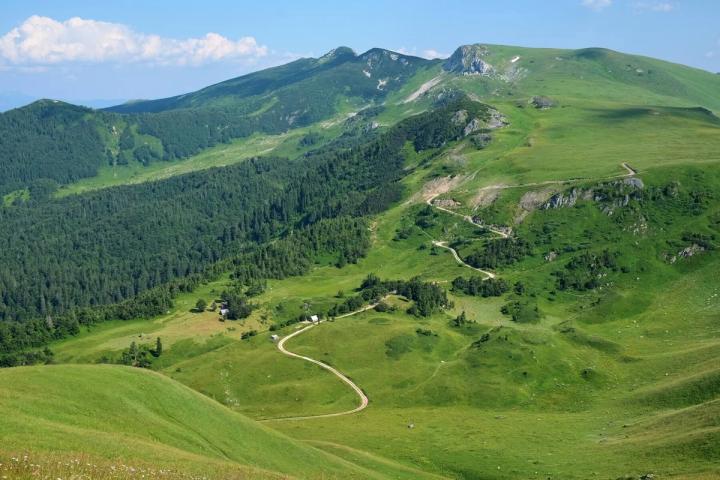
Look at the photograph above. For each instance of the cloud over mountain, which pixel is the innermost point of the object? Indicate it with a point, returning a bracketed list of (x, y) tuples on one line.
[(45, 41)]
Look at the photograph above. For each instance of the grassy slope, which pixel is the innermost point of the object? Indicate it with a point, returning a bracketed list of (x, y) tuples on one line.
[(112, 413), (593, 73), (285, 144)]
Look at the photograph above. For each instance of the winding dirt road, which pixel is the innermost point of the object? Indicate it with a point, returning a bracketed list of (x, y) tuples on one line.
[(629, 173), (460, 260), (467, 218), (364, 400)]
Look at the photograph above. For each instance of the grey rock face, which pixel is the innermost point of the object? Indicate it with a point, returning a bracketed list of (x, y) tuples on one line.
[(560, 200), (611, 195), (473, 126), (460, 117), (541, 102), (634, 182), (468, 60)]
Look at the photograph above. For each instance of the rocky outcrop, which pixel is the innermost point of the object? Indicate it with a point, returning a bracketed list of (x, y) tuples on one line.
[(687, 252), (497, 120), (481, 140), (611, 195), (690, 251), (473, 126), (494, 121), (446, 203), (564, 199), (542, 103), (468, 60), (634, 182), (460, 117)]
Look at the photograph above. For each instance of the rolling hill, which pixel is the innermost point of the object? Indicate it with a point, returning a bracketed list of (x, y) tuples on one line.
[(112, 415)]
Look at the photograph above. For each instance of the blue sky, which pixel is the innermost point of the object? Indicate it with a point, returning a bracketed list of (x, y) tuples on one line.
[(123, 49)]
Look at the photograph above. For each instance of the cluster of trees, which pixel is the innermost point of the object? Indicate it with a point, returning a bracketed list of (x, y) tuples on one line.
[(303, 317), (499, 252), (522, 311), (426, 217), (461, 320), (346, 238), (248, 334), (17, 359), (141, 356), (480, 287), (427, 297), (586, 271), (237, 304)]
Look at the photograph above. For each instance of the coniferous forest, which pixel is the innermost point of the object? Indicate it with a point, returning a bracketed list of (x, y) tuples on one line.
[(122, 252)]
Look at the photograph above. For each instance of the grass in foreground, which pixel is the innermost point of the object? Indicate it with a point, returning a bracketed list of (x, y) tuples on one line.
[(111, 413)]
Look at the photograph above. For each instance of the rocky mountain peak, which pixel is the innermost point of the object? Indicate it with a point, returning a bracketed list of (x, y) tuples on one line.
[(469, 60), (339, 53)]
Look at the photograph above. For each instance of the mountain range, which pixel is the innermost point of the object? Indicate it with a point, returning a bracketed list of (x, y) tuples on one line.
[(498, 265)]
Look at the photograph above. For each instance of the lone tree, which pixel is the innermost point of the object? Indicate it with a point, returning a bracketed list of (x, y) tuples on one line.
[(200, 305), (158, 347), (460, 320)]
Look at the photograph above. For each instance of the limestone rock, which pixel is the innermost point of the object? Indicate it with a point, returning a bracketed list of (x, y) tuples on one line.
[(468, 60)]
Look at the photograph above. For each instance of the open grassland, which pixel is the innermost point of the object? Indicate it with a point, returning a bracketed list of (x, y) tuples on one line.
[(123, 420), (219, 156), (635, 395), (119, 412), (560, 146)]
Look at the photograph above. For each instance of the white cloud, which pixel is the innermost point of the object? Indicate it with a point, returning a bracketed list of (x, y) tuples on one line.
[(663, 7), (45, 41), (430, 53), (597, 4)]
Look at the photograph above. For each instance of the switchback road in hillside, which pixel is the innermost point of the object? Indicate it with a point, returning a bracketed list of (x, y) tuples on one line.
[(364, 401)]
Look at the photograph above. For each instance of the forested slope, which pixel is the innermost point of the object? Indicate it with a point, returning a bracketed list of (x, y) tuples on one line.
[(112, 245), (61, 143)]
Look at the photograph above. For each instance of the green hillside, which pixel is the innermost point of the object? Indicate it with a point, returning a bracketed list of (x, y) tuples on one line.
[(302, 83), (272, 102), (590, 74), (119, 414)]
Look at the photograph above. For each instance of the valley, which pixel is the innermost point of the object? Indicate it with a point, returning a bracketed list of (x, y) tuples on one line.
[(506, 286)]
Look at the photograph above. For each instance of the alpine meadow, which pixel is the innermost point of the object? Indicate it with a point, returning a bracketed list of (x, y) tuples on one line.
[(500, 263)]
